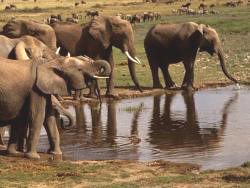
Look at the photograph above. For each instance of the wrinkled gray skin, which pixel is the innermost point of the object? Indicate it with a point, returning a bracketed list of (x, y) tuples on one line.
[(25, 47), (167, 44), (95, 40), (26, 97), (16, 28)]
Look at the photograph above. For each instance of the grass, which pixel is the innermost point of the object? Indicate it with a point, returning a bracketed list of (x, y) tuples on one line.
[(19, 172), (232, 24)]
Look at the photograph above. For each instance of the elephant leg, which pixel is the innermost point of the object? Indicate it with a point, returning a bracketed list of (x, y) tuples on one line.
[(2, 132), (189, 74), (79, 95), (110, 82), (12, 144), (154, 67), (36, 119), (167, 78), (92, 86), (21, 144), (52, 131)]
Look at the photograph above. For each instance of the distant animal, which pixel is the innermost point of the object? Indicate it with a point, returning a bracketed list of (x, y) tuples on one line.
[(83, 2), (72, 20), (77, 4), (212, 5), (91, 13), (187, 5), (202, 6)]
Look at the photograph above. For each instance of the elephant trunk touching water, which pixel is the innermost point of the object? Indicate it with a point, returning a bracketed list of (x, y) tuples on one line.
[(167, 44), (222, 63)]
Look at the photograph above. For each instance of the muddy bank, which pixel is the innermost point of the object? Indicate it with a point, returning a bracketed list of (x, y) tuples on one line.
[(131, 92), (20, 172)]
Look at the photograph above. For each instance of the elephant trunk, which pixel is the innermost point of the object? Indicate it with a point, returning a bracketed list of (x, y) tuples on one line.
[(222, 63), (132, 59), (71, 121), (62, 111)]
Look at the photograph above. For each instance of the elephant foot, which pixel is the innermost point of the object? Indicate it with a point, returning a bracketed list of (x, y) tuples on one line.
[(82, 98), (188, 88), (32, 155), (92, 96), (54, 152), (157, 86), (112, 96), (172, 86), (14, 153)]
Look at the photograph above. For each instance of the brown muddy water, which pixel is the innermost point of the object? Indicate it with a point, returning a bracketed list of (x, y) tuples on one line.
[(209, 127)]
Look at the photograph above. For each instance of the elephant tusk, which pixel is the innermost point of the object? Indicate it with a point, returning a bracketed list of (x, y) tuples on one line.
[(129, 57), (58, 50), (137, 60), (101, 77), (68, 54)]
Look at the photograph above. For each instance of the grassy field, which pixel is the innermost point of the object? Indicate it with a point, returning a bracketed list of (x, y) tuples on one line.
[(16, 172), (233, 26)]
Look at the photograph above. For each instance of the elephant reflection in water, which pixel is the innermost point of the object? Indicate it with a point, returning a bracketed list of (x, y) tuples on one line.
[(98, 136), (177, 132)]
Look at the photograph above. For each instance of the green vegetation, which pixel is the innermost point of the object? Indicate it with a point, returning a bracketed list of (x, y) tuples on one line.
[(19, 172), (232, 25)]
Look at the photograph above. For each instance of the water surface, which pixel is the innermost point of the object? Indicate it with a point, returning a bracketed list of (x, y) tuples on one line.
[(209, 127)]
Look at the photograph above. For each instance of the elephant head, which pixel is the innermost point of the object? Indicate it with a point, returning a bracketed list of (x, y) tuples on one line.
[(16, 28), (113, 31), (29, 47), (66, 73), (210, 42)]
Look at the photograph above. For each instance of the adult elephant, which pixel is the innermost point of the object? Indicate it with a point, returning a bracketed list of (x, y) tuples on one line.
[(167, 44), (26, 97), (25, 47), (16, 28), (96, 39)]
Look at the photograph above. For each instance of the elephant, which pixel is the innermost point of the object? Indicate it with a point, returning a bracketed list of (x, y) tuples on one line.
[(16, 28), (167, 44), (96, 39), (25, 47), (26, 97)]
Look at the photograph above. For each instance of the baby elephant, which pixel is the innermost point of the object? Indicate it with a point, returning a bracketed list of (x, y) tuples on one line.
[(167, 44)]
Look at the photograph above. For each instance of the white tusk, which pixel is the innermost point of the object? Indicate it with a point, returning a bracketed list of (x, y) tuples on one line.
[(137, 60), (101, 77), (132, 59), (68, 54), (58, 50)]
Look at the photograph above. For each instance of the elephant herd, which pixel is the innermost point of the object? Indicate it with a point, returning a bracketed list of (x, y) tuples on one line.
[(36, 68)]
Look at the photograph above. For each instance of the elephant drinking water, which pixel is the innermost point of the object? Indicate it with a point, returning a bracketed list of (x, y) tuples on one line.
[(167, 44)]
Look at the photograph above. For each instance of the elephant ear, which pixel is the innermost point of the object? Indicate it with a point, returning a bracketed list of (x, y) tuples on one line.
[(21, 52), (100, 29), (50, 80)]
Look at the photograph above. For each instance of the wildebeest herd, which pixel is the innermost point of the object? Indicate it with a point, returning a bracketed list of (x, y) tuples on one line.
[(43, 61)]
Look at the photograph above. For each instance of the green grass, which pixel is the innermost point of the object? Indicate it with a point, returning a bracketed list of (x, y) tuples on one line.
[(232, 24)]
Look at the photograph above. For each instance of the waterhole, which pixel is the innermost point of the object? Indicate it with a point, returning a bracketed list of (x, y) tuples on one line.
[(209, 127)]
